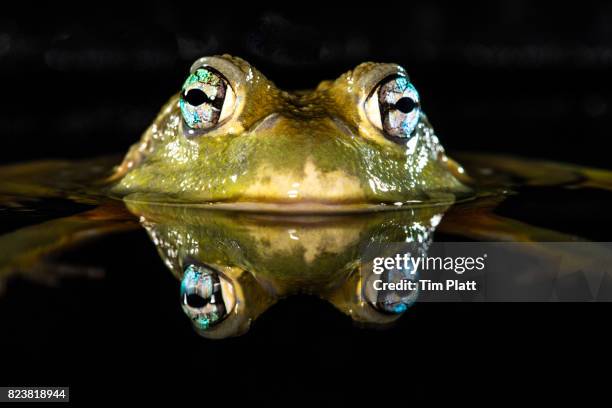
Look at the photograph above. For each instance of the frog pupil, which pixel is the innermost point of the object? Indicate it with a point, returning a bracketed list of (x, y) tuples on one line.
[(196, 301), (196, 97), (405, 105)]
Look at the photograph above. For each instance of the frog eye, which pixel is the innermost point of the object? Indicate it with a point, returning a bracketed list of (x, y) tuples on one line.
[(392, 301), (394, 107), (206, 99), (206, 296)]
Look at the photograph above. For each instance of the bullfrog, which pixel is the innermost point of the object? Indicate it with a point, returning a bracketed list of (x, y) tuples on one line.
[(231, 137), (231, 141)]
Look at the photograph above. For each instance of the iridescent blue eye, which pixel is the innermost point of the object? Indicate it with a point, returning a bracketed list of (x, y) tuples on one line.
[(206, 99), (206, 296), (394, 107), (393, 301)]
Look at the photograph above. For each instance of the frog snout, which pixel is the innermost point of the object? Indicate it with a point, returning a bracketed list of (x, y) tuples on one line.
[(305, 158)]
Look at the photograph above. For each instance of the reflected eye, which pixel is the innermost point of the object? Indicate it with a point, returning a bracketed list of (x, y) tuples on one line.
[(394, 107), (206, 296), (206, 99), (392, 301)]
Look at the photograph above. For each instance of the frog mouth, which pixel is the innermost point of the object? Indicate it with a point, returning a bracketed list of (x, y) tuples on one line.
[(313, 191), (298, 207), (319, 207)]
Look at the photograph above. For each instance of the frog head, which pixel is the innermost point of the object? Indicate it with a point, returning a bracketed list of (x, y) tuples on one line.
[(231, 137)]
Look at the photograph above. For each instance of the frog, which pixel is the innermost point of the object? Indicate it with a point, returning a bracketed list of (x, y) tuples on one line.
[(230, 140)]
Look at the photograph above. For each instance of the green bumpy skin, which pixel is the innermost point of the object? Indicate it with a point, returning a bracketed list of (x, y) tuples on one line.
[(277, 147)]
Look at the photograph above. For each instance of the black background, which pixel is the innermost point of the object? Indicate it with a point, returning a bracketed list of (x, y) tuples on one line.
[(86, 79), (507, 76)]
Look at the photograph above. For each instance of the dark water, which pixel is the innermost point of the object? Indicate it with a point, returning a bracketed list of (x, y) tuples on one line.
[(111, 325)]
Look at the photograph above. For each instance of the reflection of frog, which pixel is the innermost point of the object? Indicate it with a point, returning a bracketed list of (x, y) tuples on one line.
[(233, 267), (231, 136)]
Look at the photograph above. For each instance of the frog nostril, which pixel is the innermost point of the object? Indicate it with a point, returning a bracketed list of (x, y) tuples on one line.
[(266, 123), (343, 127)]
